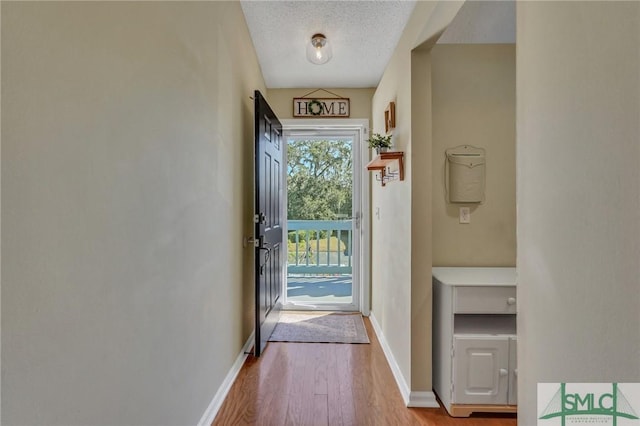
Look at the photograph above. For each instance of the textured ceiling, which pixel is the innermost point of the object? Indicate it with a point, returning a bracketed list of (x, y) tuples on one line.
[(363, 35)]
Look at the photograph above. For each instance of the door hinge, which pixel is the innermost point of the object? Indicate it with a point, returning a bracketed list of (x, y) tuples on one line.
[(256, 218)]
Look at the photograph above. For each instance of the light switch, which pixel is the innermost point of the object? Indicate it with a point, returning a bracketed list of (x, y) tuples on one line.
[(465, 215)]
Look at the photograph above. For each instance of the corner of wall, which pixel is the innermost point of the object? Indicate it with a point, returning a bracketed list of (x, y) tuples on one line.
[(421, 220), (402, 229)]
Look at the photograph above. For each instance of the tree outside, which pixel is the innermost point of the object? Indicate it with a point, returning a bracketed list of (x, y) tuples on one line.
[(319, 179)]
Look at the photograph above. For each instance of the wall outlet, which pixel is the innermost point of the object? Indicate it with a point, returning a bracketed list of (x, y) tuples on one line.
[(465, 215)]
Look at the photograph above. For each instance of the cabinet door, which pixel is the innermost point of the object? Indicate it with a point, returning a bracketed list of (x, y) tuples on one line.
[(513, 371), (480, 369)]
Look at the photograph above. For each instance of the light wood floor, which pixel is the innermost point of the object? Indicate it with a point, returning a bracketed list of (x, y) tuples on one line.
[(303, 384)]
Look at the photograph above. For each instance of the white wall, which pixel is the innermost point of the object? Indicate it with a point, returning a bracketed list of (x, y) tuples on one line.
[(578, 194), (126, 151)]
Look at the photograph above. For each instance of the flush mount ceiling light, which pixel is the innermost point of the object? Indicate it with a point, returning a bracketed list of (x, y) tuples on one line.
[(319, 49)]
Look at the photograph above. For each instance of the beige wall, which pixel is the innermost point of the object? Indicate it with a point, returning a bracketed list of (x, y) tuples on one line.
[(578, 196), (391, 221), (126, 148), (421, 230), (474, 103), (401, 231), (281, 100)]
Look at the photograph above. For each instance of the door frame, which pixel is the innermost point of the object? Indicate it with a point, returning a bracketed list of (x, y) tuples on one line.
[(361, 128)]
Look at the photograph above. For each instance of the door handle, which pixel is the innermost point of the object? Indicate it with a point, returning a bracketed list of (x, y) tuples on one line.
[(267, 255), (356, 218)]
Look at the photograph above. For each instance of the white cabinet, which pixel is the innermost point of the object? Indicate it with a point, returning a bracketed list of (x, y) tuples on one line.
[(474, 339), (513, 372)]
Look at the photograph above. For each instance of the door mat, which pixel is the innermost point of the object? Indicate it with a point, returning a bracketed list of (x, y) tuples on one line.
[(320, 327)]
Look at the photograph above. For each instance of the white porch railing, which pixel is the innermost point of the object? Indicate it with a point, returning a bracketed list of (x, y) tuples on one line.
[(319, 247)]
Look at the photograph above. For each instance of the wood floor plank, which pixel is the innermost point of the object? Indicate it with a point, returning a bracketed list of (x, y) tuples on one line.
[(273, 406), (320, 360), (345, 389), (295, 406), (308, 393), (301, 396), (320, 410), (364, 408), (304, 384), (333, 387)]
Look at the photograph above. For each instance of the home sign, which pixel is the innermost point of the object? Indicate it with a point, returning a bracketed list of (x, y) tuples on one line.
[(321, 107)]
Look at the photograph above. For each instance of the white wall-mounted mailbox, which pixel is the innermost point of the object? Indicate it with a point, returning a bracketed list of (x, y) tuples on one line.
[(465, 174)]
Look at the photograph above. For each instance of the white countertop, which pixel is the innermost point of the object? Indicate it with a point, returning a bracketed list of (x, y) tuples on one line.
[(475, 276)]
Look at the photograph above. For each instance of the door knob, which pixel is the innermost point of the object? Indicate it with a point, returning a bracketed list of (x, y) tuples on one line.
[(254, 242), (511, 301), (503, 372)]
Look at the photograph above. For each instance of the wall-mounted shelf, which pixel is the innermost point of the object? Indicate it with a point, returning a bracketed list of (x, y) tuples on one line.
[(382, 161)]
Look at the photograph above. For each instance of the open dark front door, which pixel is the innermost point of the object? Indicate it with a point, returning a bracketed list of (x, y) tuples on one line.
[(268, 218)]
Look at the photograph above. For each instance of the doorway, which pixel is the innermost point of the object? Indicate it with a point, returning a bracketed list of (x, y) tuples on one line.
[(326, 230)]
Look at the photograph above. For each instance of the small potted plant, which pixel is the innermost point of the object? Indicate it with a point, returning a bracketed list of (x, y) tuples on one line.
[(379, 142)]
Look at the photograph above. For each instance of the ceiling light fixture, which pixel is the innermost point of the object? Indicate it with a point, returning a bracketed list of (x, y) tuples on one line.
[(319, 49)]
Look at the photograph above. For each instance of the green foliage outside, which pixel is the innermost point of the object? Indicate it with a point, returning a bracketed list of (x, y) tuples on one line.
[(302, 235), (319, 179), (333, 245)]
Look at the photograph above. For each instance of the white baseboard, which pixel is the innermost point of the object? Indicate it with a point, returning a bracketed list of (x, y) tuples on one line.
[(395, 368), (423, 400), (215, 404), (411, 399)]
